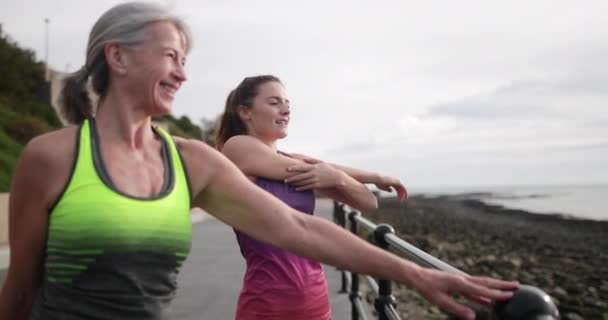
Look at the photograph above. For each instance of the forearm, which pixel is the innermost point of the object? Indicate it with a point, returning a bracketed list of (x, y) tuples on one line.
[(358, 174), (14, 305), (352, 193), (325, 242)]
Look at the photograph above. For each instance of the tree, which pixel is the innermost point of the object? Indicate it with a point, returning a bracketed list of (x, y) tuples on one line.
[(209, 130)]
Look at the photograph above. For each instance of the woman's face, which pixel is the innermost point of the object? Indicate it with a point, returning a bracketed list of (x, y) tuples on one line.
[(268, 117), (155, 69)]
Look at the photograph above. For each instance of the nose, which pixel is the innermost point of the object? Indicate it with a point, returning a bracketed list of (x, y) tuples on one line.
[(179, 73), (285, 109)]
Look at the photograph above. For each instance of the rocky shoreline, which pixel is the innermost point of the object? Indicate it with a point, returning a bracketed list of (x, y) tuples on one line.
[(565, 257)]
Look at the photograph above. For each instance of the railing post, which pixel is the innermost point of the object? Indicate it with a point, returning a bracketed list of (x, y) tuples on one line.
[(340, 219), (336, 212), (354, 277), (385, 288)]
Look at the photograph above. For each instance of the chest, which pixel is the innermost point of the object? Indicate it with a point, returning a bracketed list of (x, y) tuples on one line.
[(140, 174), (303, 201)]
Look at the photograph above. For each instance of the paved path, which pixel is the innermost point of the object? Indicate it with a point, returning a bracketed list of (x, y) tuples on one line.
[(210, 280)]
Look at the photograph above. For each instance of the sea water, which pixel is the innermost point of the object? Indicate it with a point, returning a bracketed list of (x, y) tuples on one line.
[(579, 201)]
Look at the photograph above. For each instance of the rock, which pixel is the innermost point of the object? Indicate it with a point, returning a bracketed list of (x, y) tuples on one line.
[(531, 259), (563, 257), (572, 316), (560, 292), (594, 302), (469, 262), (434, 310), (489, 258), (515, 262)]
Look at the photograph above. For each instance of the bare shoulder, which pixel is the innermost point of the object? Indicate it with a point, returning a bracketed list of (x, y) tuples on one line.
[(194, 151), (202, 161), (242, 144), (53, 149), (49, 158), (246, 151), (256, 159)]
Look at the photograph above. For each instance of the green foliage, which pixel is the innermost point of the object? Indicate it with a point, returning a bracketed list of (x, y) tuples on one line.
[(189, 128), (8, 157), (209, 131), (24, 128), (175, 130), (22, 75), (31, 107), (181, 127), (6, 115), (24, 108)]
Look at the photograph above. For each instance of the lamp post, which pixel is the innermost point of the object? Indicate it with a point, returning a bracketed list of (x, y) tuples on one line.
[(46, 49)]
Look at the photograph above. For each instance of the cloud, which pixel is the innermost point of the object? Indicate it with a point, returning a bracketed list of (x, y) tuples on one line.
[(426, 91)]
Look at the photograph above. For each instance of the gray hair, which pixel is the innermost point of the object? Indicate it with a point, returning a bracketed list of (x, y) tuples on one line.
[(124, 24)]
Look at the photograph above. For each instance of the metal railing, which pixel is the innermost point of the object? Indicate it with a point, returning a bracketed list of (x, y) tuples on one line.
[(527, 303)]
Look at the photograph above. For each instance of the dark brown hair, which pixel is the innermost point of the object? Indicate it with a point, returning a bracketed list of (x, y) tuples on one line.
[(230, 124)]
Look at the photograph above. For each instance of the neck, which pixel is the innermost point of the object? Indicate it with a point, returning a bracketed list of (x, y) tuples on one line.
[(120, 120)]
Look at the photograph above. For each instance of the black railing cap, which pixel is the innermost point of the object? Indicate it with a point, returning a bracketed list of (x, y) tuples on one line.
[(380, 233), (527, 303)]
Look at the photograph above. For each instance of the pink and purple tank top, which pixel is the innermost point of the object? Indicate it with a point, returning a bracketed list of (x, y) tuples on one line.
[(279, 284)]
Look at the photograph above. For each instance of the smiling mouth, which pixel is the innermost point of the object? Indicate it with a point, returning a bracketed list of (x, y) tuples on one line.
[(170, 88), (281, 122)]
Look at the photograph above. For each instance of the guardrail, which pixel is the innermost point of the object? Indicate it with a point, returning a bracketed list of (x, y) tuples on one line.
[(527, 303)]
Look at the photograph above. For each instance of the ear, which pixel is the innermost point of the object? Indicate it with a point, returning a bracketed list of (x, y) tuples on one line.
[(115, 57), (244, 112)]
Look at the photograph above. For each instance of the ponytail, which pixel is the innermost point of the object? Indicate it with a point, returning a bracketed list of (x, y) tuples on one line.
[(230, 123), (76, 104)]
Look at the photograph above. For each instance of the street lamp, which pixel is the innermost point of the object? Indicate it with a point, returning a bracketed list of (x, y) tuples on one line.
[(46, 49)]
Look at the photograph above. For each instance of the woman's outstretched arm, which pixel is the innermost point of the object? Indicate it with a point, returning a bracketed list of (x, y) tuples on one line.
[(224, 191)]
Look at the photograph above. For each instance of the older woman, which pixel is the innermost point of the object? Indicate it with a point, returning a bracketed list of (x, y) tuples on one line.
[(99, 211)]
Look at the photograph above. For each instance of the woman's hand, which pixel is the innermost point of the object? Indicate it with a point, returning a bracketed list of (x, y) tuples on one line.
[(314, 176), (389, 184), (440, 287)]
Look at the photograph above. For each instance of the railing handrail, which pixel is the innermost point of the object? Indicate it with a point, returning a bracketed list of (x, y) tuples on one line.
[(527, 303), (405, 248)]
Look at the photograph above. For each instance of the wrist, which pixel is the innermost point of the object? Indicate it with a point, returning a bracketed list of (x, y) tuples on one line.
[(413, 274), (377, 178)]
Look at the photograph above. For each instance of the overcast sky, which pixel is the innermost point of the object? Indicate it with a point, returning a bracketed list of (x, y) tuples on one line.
[(437, 93)]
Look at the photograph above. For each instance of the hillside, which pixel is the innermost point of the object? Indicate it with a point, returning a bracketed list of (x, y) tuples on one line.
[(24, 112)]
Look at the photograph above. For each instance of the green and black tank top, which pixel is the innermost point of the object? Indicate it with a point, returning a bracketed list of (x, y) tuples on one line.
[(110, 255)]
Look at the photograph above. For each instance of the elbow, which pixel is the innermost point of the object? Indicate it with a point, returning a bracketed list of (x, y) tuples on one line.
[(372, 204), (289, 233), (375, 204)]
